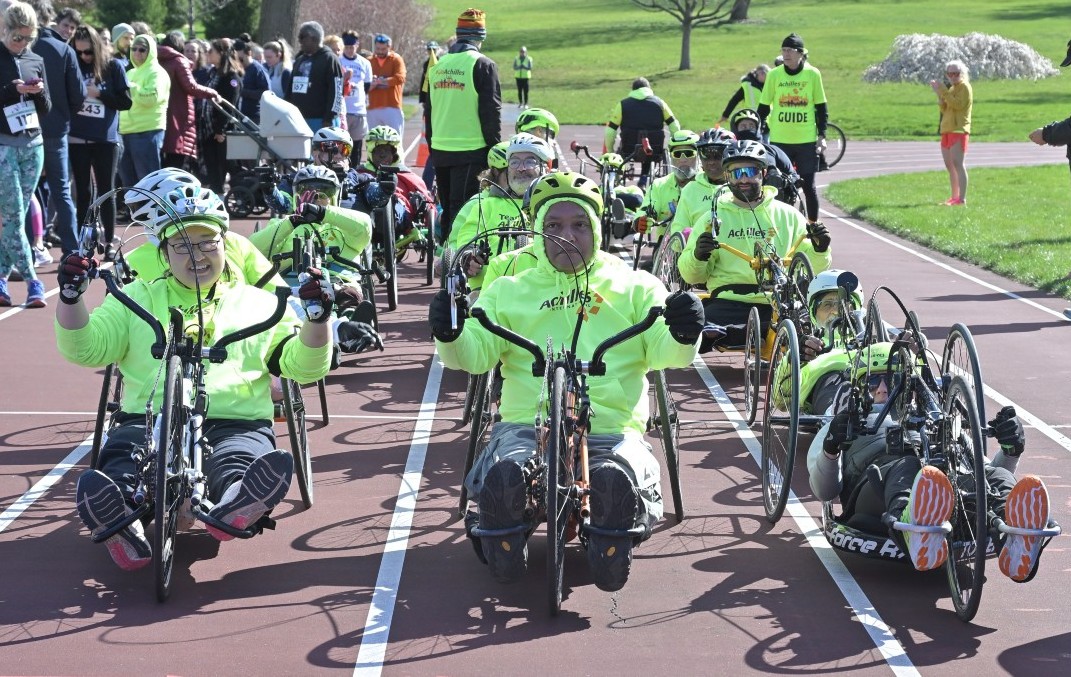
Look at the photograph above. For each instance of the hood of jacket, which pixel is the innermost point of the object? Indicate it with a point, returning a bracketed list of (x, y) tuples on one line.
[(641, 93), (543, 263)]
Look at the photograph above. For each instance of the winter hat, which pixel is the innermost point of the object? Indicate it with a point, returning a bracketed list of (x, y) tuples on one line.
[(472, 25), (119, 30), (793, 41)]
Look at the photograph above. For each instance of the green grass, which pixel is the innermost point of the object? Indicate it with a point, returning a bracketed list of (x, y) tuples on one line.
[(587, 53), (1012, 225)]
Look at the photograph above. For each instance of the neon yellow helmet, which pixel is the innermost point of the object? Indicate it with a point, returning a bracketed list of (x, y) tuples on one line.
[(537, 118), (383, 134), (613, 160), (557, 185), (497, 157), (877, 359), (682, 139)]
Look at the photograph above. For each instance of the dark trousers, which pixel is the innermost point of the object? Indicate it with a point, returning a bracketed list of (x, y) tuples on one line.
[(94, 165), (215, 155), (732, 315), (457, 183), (804, 158), (522, 90), (235, 444)]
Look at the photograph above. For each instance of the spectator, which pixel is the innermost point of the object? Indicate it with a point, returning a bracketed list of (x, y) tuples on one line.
[(105, 35), (122, 36), (316, 79), (428, 175), (66, 92), (463, 122), (227, 82), (747, 94), (1056, 133), (388, 79), (143, 125), (21, 147), (641, 115), (180, 135), (333, 43), (277, 60), (194, 51), (255, 81), (522, 72), (141, 28), (67, 21), (94, 138), (956, 100), (357, 79)]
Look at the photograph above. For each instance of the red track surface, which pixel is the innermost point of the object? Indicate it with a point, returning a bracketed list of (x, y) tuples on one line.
[(721, 593)]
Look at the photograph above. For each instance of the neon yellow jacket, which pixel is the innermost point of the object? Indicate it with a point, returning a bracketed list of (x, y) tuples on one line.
[(486, 212), (663, 197), (693, 207), (348, 229), (150, 88), (241, 255), (239, 388), (742, 229), (541, 302)]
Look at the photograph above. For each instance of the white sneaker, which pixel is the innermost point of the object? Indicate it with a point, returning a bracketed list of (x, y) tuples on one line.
[(41, 257)]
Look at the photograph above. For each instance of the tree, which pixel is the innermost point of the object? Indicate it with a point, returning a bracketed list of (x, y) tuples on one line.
[(279, 18), (231, 18), (692, 14), (739, 13), (112, 12)]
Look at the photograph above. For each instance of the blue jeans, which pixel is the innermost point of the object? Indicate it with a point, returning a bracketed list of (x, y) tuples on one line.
[(141, 155), (57, 176)]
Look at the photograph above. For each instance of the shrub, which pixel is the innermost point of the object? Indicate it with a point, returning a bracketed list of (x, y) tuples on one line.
[(921, 58)]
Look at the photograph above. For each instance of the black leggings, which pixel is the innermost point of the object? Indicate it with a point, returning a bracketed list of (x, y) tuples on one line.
[(95, 164), (522, 90), (804, 157), (457, 183)]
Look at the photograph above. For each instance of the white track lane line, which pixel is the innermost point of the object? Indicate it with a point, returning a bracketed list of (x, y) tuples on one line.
[(376, 631), (44, 484), (862, 608)]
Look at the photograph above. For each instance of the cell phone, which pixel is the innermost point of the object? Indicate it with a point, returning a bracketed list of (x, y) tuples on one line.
[(31, 82)]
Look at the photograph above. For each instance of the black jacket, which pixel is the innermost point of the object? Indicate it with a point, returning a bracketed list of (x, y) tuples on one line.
[(1058, 134), (323, 98), (64, 80), (22, 67)]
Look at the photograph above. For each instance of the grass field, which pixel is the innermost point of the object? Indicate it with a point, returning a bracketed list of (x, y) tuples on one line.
[(587, 53)]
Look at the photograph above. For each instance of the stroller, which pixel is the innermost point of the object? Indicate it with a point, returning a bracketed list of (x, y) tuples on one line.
[(282, 138)]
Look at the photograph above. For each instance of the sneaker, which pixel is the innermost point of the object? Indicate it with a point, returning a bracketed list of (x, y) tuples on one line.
[(1027, 507), (614, 505), (950, 201), (36, 297), (502, 501), (930, 505), (264, 484), (100, 503), (5, 295), (41, 256)]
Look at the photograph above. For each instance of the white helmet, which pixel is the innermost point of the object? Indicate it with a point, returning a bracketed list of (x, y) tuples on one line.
[(316, 174), (143, 209), (336, 134), (832, 280), (529, 143), (188, 204)]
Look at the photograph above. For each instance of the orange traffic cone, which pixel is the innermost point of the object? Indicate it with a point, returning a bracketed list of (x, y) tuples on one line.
[(422, 152)]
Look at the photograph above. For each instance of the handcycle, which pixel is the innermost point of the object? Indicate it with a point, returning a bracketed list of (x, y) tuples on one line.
[(422, 238), (643, 240), (612, 174), (170, 484)]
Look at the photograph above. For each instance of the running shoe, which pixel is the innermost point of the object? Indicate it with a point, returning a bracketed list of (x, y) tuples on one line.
[(36, 297), (5, 295), (930, 506), (264, 484), (41, 257), (614, 505), (1027, 507), (502, 500), (100, 504)]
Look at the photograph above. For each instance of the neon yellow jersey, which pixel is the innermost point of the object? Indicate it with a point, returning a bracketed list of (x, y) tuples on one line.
[(662, 199), (485, 213), (694, 205), (242, 256), (792, 99)]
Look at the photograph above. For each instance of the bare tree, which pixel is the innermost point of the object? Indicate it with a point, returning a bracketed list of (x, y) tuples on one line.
[(740, 8), (693, 14), (279, 18)]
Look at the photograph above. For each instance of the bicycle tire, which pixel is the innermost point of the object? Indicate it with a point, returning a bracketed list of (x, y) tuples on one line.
[(368, 287), (111, 394), (800, 274), (752, 365), (781, 413), (321, 389), (468, 406), (665, 262), (167, 487), (384, 224), (960, 358), (669, 432), (876, 331), (297, 429), (481, 419), (558, 484), (969, 539), (836, 144), (429, 244)]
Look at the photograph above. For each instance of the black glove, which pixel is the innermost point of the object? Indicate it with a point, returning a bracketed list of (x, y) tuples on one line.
[(774, 178), (819, 235), (1008, 431), (439, 316), (310, 213), (472, 263), (684, 316), (811, 347), (838, 433), (705, 246), (357, 337), (316, 295), (74, 277)]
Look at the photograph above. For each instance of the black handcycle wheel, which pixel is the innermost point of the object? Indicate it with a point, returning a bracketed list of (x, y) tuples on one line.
[(167, 489), (321, 389), (875, 331), (297, 429), (669, 431), (836, 143), (962, 439), (480, 416), (960, 358), (468, 407), (780, 421), (384, 224), (111, 395), (368, 287), (429, 244), (752, 365), (559, 482), (800, 274)]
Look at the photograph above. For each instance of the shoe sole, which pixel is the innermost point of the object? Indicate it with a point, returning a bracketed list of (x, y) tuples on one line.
[(931, 505), (1027, 507), (507, 556), (262, 487), (97, 495), (36, 303), (613, 501)]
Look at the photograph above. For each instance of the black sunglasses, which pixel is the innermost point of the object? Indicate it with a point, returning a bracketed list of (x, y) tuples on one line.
[(85, 52)]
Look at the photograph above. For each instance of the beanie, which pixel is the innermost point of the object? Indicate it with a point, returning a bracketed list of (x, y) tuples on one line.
[(472, 25), (793, 41), (119, 30)]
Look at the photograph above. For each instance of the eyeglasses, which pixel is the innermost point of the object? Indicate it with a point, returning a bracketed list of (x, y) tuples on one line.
[(204, 245), (828, 304), (332, 147), (745, 172), (140, 50), (708, 152), (875, 380), (682, 153), (18, 38), (85, 52), (529, 163)]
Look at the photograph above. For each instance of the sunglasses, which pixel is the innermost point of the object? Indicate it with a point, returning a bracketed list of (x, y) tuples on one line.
[(140, 50), (682, 153), (332, 147), (17, 38), (710, 152), (85, 52), (874, 381), (745, 172), (382, 39)]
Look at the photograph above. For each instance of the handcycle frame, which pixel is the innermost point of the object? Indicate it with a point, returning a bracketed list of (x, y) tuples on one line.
[(610, 177)]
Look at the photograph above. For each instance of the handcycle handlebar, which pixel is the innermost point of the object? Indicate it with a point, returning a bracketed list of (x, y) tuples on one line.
[(159, 346), (539, 365), (597, 367)]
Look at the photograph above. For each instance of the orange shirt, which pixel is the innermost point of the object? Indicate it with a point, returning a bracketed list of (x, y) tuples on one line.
[(391, 67)]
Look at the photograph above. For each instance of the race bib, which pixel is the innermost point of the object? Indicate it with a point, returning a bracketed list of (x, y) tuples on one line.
[(300, 85), (21, 116), (92, 108)]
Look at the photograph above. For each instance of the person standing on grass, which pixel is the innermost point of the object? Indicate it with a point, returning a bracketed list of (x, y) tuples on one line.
[(522, 71), (1056, 133), (747, 94), (955, 100)]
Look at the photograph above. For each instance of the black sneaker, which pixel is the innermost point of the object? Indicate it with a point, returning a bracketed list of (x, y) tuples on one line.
[(614, 505), (502, 501), (264, 484), (100, 504)]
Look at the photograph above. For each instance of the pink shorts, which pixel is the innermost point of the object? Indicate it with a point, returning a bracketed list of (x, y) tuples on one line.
[(949, 139)]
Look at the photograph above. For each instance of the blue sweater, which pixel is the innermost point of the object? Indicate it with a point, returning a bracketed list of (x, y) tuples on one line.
[(114, 95), (64, 82)]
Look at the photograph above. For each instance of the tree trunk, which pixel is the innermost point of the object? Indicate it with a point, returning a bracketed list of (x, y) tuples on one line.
[(739, 13), (279, 17), (686, 45)]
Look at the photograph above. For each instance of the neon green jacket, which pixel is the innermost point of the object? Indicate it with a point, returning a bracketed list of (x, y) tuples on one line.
[(239, 388), (486, 212), (348, 229), (541, 302), (693, 207), (663, 197), (150, 87), (740, 229), (241, 255)]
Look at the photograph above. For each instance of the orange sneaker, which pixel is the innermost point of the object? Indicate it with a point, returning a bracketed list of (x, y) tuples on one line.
[(930, 506), (1027, 507)]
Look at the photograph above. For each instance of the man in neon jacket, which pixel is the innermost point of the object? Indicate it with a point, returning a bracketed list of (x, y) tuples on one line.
[(570, 280)]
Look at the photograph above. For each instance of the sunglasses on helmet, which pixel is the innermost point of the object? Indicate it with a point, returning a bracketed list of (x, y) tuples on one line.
[(707, 152)]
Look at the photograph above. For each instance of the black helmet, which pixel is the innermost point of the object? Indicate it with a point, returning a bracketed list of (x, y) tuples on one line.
[(716, 137), (745, 151), (745, 114)]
